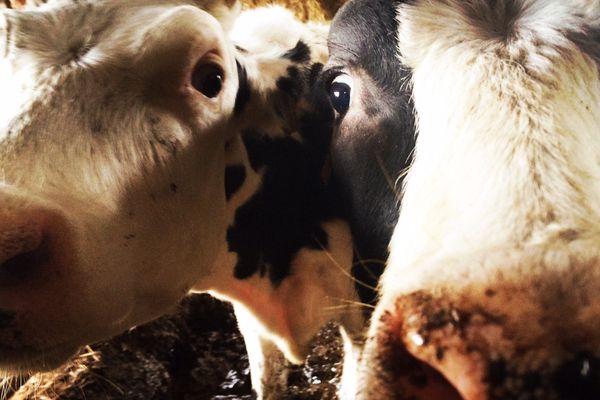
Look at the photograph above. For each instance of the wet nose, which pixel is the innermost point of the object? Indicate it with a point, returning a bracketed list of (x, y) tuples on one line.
[(488, 342), (25, 245)]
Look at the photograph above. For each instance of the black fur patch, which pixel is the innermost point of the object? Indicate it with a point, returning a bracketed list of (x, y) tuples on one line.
[(234, 179), (299, 54), (315, 71), (285, 215), (291, 85), (244, 93)]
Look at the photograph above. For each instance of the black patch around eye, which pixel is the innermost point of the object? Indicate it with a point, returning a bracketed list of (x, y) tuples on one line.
[(243, 94), (299, 54), (234, 179)]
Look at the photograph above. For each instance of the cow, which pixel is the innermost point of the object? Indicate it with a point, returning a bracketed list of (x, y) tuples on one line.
[(289, 243), (491, 288), (150, 148)]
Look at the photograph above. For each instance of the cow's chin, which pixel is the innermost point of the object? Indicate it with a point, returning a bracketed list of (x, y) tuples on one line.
[(25, 351), (25, 361)]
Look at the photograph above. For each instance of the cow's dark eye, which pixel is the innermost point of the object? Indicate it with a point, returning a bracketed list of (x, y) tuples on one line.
[(340, 93), (208, 80)]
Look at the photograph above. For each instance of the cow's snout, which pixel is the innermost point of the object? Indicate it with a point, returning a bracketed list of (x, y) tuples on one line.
[(37, 272), (534, 339), (30, 245), (21, 247)]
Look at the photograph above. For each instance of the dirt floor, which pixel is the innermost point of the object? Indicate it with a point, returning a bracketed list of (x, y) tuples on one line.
[(195, 354)]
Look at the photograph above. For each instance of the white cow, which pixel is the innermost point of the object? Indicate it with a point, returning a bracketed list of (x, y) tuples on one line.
[(136, 166), (492, 288)]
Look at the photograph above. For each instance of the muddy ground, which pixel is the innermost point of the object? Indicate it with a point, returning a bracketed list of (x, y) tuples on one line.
[(196, 354)]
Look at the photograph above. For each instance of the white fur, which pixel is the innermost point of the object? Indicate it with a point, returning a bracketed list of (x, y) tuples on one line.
[(492, 132), (267, 33), (504, 190), (272, 29), (98, 127), (112, 188)]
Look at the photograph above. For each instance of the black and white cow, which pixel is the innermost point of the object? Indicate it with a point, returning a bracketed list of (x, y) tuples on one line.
[(492, 286), (143, 155), (289, 246)]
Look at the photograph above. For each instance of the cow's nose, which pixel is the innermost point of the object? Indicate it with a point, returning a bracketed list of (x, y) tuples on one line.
[(487, 343), (25, 245)]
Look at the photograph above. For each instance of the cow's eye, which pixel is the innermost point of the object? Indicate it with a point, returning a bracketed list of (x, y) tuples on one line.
[(208, 80), (340, 93)]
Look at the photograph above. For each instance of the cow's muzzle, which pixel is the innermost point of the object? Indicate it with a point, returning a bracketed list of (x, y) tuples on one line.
[(30, 243), (501, 342)]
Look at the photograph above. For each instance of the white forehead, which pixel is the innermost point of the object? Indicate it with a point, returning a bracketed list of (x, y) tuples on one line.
[(83, 40), (58, 32), (481, 84), (453, 26), (45, 45), (64, 30)]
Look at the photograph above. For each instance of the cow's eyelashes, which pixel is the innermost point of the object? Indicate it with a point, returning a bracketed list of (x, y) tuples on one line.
[(340, 92)]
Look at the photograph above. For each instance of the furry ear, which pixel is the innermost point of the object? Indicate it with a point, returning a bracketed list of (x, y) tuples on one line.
[(225, 11)]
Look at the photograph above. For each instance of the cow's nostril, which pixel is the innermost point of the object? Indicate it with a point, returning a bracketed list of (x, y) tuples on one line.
[(21, 267), (404, 374), (6, 318), (23, 247), (419, 380)]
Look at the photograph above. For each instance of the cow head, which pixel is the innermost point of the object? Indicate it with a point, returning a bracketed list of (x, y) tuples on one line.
[(113, 125), (148, 148), (491, 290)]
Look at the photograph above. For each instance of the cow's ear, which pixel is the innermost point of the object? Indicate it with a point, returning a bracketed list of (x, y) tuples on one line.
[(225, 11)]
